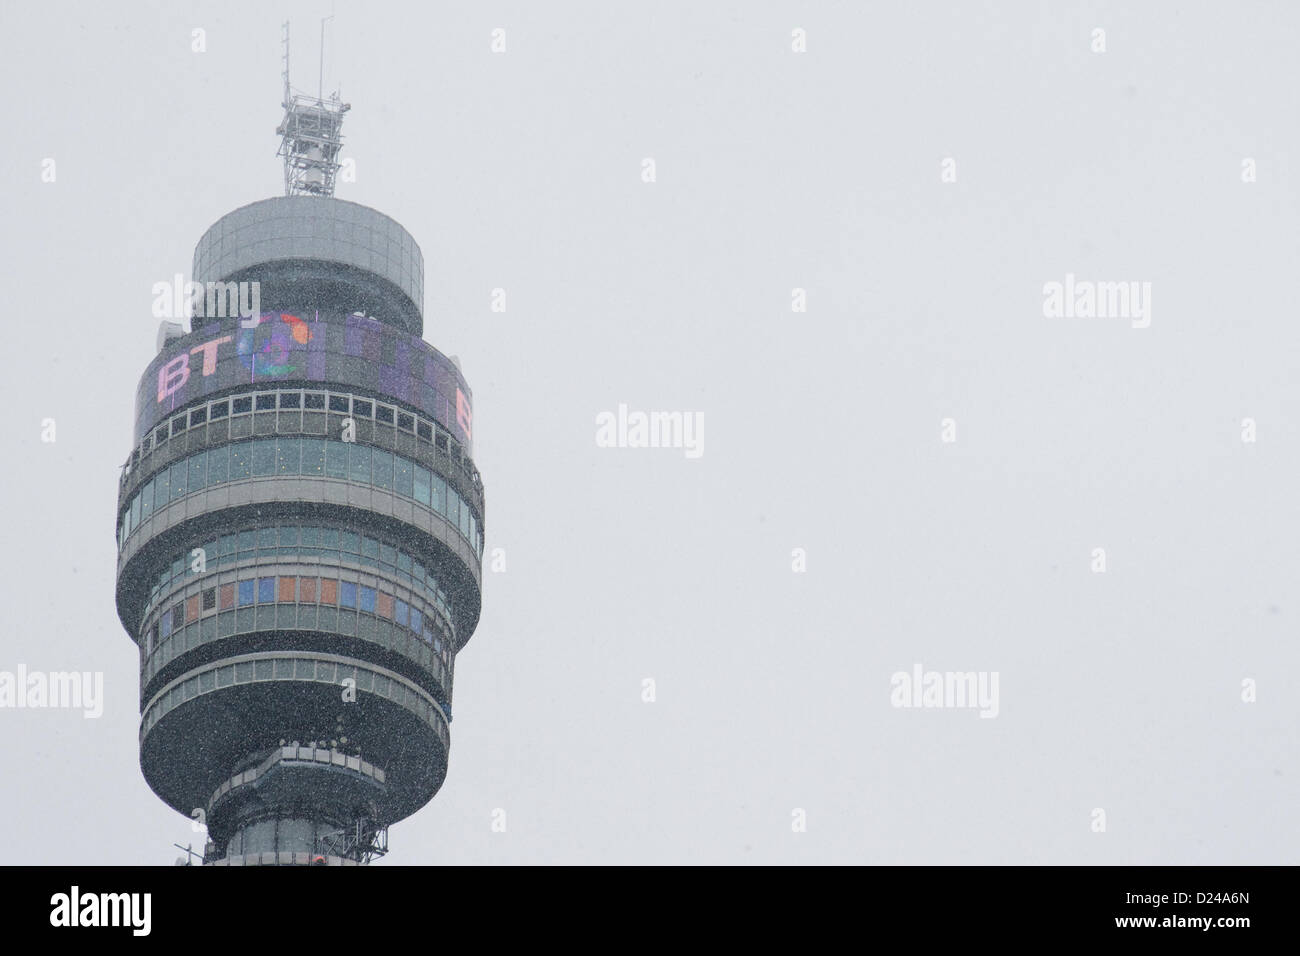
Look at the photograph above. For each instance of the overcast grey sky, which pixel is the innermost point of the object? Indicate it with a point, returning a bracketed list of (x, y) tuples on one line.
[(775, 170)]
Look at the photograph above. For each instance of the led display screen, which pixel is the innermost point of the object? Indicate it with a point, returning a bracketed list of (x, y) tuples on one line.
[(350, 351)]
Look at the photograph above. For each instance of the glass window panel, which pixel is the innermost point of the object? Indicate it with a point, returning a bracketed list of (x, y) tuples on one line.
[(240, 461), (310, 540), (417, 624), (387, 554), (240, 405), (218, 458), (247, 542), (329, 539), (179, 473), (218, 410), (161, 488), (288, 456), (288, 537), (146, 501), (464, 519), (383, 468), (400, 611), (370, 548), (347, 594), (198, 471), (227, 545), (421, 484), (135, 512), (336, 459), (359, 463), (402, 476), (263, 458), (313, 457), (453, 508), (368, 599), (266, 539), (439, 502), (350, 542)]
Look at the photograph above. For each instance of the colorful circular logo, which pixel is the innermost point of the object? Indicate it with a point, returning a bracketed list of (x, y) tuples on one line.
[(266, 349)]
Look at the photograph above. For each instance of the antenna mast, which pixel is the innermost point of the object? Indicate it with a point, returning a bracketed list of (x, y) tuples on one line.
[(310, 133)]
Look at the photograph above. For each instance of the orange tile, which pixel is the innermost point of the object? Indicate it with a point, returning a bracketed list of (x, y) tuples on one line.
[(307, 590), (288, 589), (329, 592)]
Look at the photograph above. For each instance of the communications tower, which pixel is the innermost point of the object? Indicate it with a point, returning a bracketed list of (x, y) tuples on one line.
[(300, 527)]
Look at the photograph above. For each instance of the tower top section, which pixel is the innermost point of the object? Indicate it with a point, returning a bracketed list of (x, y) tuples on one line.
[(318, 253), (311, 133)]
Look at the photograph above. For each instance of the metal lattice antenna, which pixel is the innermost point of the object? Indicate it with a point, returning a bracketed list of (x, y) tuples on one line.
[(285, 40), (311, 133)]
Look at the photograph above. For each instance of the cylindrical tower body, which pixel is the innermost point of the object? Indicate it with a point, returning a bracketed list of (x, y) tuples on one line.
[(300, 530)]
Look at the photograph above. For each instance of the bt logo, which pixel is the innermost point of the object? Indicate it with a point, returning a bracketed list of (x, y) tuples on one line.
[(264, 348)]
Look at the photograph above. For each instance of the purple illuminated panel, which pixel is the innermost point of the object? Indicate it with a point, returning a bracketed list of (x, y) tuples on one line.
[(350, 353)]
